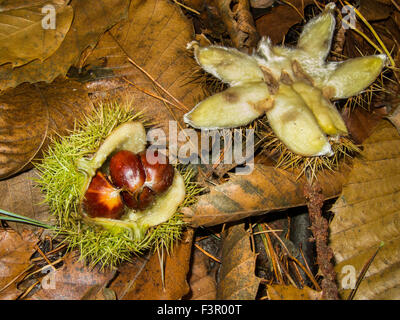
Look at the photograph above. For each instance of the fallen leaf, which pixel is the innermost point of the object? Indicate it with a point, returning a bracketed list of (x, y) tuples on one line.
[(91, 19), (142, 280), (237, 273), (375, 10), (73, 281), (31, 113), (367, 214), (276, 23), (20, 195), (261, 3), (265, 189), (6, 5), (283, 292), (15, 251), (361, 123), (154, 36), (23, 37)]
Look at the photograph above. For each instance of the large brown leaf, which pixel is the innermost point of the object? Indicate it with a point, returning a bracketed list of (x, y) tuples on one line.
[(265, 189), (367, 214), (155, 36), (31, 113), (23, 38), (237, 274), (91, 19)]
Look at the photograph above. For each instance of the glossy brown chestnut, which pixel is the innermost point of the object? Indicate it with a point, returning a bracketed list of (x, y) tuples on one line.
[(102, 199), (126, 171), (159, 176), (138, 200), (140, 177)]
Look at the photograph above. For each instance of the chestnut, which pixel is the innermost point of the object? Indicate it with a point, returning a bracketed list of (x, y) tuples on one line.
[(138, 200), (126, 171), (141, 177), (102, 199), (159, 176)]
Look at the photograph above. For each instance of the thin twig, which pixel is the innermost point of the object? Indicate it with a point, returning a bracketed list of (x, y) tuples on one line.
[(207, 253), (363, 272), (152, 94), (186, 7)]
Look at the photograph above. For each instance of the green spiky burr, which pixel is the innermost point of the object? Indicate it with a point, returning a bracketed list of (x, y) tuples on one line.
[(70, 164)]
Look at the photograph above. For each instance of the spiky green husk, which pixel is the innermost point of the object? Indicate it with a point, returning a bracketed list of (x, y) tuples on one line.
[(62, 184)]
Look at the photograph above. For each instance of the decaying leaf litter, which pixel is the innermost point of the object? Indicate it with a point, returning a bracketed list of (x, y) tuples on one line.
[(144, 56)]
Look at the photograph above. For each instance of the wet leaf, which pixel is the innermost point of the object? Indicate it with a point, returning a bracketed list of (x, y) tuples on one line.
[(142, 280), (237, 274), (30, 114), (282, 292), (265, 189), (15, 251), (154, 36), (23, 37), (91, 19), (367, 214)]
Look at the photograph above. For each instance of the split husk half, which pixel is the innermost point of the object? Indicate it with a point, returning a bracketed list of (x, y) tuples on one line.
[(291, 86)]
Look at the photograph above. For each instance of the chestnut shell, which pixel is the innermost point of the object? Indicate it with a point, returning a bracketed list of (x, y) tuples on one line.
[(159, 176), (126, 171), (102, 199)]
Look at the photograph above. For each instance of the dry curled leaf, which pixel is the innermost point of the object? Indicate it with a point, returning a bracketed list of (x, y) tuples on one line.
[(31, 113), (23, 37), (239, 22), (91, 19), (237, 274), (265, 189), (367, 214)]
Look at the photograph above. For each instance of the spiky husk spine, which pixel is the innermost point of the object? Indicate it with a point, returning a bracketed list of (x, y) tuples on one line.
[(62, 184)]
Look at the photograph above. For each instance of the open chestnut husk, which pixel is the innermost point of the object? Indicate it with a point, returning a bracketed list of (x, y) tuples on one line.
[(90, 209)]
